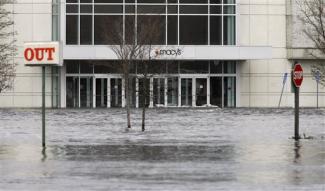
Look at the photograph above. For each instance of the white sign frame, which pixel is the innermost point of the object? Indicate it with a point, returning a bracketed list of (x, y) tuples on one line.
[(43, 53)]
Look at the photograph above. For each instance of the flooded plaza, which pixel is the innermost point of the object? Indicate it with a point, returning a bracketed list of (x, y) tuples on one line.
[(182, 149)]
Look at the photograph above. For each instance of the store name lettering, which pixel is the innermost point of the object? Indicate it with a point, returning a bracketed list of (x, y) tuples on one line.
[(168, 52)]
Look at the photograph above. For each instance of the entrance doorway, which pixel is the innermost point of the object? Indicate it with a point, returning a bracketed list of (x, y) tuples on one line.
[(116, 92), (144, 92), (216, 91), (201, 92), (172, 91), (159, 92), (101, 92), (86, 89), (72, 92), (186, 91)]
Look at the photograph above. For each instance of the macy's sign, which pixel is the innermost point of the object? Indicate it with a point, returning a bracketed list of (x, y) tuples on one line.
[(168, 52), (42, 53)]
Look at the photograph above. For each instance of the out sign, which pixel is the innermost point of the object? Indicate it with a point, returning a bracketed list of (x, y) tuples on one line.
[(42, 53), (297, 75)]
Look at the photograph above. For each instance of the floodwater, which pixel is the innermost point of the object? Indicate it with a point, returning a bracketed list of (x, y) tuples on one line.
[(182, 149)]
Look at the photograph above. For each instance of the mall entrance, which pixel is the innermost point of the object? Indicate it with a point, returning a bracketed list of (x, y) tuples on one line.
[(201, 89)]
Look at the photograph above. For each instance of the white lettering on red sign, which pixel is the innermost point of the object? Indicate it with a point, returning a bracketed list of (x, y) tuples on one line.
[(297, 75)]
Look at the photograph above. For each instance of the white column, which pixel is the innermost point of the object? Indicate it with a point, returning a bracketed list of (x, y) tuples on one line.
[(193, 92), (179, 92), (123, 92), (238, 92), (63, 94), (94, 92), (108, 92), (62, 23), (137, 93), (102, 96), (208, 91), (151, 92), (165, 92)]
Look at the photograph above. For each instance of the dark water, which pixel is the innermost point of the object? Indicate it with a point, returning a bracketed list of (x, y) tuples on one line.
[(208, 149)]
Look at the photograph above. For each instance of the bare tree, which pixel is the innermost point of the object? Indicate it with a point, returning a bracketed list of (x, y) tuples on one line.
[(133, 46), (7, 47), (126, 49), (150, 34), (313, 17)]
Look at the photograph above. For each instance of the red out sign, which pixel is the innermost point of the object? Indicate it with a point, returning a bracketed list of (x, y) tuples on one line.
[(42, 53), (297, 75)]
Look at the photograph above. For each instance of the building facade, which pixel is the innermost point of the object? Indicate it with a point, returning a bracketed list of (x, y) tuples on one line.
[(210, 53)]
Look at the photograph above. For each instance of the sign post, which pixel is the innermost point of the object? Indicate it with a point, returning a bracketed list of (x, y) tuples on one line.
[(297, 78), (317, 77), (283, 84), (42, 54), (43, 106)]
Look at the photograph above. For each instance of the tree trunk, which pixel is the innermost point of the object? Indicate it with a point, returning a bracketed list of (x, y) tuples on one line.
[(127, 94), (144, 115), (146, 91)]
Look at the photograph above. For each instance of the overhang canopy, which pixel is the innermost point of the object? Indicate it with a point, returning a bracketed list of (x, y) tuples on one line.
[(203, 52)]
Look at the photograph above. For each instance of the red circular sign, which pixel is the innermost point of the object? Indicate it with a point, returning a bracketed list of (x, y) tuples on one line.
[(297, 75)]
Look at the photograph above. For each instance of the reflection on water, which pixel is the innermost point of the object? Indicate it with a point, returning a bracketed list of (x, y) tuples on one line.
[(150, 153), (297, 147), (232, 149), (44, 155)]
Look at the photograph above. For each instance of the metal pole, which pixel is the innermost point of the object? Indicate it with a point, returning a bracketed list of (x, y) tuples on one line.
[(281, 96), (317, 94), (43, 106), (283, 84), (297, 113)]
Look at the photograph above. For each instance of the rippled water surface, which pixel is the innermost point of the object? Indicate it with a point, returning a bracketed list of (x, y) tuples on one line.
[(192, 149)]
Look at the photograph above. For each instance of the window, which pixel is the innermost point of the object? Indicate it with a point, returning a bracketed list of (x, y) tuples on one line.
[(72, 67), (215, 30), (193, 30), (172, 33), (191, 22), (143, 33), (72, 29), (86, 29), (229, 30), (129, 24), (106, 28), (193, 67)]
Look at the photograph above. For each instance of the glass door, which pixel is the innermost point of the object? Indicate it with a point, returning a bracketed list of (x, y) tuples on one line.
[(201, 92), (101, 92), (186, 91), (216, 91), (132, 92), (86, 91), (159, 92), (116, 92), (230, 91), (172, 91), (72, 92), (144, 92)]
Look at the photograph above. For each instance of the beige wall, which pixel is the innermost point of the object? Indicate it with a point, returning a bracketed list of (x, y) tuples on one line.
[(32, 23), (270, 22), (263, 22), (260, 23)]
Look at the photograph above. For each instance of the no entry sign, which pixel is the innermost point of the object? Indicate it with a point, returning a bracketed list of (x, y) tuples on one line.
[(297, 75)]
